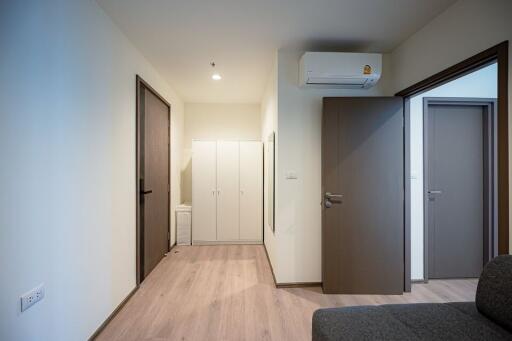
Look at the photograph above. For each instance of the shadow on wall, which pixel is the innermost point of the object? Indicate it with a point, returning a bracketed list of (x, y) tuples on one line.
[(186, 177)]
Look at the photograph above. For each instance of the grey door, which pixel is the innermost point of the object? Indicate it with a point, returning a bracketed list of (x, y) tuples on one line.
[(154, 180), (456, 218), (363, 221)]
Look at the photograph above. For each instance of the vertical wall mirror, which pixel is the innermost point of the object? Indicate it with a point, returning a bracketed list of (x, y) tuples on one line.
[(271, 175)]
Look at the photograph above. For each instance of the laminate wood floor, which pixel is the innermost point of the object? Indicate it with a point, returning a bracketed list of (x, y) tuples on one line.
[(227, 293)]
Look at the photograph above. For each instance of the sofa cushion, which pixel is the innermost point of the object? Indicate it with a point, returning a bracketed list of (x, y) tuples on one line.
[(426, 321), (436, 321), (494, 292), (358, 323), (469, 308)]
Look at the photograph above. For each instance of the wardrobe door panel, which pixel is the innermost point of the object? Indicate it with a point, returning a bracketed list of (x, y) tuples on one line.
[(227, 191), (204, 191), (251, 183)]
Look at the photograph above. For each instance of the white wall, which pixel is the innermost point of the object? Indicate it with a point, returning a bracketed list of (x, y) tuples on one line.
[(216, 121), (298, 209), (269, 125), (463, 30), (67, 145), (482, 83)]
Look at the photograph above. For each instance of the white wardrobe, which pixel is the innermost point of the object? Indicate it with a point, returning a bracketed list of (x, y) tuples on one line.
[(227, 185)]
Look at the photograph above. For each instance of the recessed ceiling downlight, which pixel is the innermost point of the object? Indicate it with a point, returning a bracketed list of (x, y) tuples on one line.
[(215, 76)]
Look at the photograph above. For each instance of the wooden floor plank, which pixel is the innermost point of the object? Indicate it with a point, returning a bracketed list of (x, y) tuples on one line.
[(227, 293)]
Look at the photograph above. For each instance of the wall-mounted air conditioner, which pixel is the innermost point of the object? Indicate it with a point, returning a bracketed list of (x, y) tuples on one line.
[(340, 69)]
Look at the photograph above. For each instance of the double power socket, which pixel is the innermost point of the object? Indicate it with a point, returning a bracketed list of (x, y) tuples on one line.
[(32, 297)]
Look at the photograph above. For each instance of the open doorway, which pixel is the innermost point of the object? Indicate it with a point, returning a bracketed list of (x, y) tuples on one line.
[(497, 55), (453, 176)]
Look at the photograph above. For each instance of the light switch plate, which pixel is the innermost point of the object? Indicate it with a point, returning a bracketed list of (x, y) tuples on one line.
[(32, 297), (291, 175)]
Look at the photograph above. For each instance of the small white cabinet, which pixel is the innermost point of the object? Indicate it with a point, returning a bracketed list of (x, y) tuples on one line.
[(183, 224), (227, 181)]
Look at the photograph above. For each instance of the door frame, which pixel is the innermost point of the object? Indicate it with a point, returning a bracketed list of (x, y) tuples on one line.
[(499, 54), (141, 84), (490, 173)]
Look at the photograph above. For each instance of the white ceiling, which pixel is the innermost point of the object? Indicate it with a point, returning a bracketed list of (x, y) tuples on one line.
[(181, 37)]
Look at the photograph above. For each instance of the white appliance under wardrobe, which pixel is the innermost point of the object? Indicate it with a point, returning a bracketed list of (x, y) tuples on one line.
[(227, 186)]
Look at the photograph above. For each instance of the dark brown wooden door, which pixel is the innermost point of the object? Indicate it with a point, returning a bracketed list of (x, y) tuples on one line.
[(362, 190), (154, 180)]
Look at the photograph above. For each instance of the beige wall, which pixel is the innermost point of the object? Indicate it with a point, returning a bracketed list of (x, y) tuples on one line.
[(466, 28), (67, 145), (463, 30), (213, 121)]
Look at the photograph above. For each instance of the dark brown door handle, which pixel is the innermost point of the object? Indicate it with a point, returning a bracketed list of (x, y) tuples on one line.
[(141, 188)]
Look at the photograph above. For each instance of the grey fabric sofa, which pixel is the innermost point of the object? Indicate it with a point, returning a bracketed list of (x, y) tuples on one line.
[(488, 318)]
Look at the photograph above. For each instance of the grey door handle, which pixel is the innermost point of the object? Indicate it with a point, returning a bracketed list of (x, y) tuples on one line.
[(330, 199), (435, 192), (331, 196)]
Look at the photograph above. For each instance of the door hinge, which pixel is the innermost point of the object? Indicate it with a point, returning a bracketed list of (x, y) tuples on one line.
[(168, 188), (168, 235)]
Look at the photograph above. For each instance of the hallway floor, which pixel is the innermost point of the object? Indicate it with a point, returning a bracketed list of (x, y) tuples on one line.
[(227, 293)]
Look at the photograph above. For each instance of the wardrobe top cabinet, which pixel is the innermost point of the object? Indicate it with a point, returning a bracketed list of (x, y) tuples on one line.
[(227, 192)]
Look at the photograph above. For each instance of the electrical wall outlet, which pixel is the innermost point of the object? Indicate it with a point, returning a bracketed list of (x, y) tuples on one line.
[(32, 297)]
